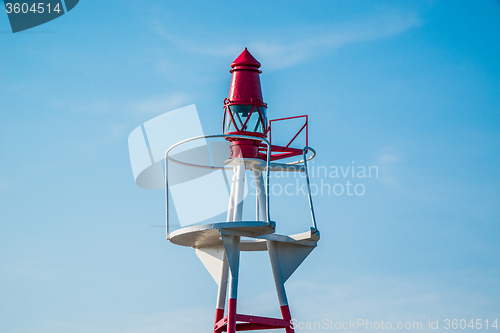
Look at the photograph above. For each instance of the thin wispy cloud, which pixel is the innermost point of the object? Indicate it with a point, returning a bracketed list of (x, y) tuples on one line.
[(279, 50), (196, 46), (283, 55), (160, 104)]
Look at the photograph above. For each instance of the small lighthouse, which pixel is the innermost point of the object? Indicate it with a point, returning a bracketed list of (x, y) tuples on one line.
[(247, 132)]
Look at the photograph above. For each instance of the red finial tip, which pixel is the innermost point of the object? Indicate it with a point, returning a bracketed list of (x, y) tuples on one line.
[(245, 59)]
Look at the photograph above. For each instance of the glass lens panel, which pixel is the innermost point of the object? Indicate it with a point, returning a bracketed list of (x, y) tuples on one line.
[(240, 114)]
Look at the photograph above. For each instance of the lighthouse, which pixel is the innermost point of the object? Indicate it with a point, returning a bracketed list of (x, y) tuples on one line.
[(249, 152)]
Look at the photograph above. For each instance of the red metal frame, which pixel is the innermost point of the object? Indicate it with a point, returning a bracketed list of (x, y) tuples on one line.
[(248, 118), (252, 323), (288, 118), (286, 151), (277, 152)]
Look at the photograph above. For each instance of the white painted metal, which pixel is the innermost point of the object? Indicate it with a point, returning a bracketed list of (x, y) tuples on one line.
[(230, 209), (212, 258), (278, 276), (290, 256), (221, 296), (256, 208), (215, 261), (232, 247), (309, 189), (260, 194), (199, 236), (310, 237), (256, 198), (231, 242), (239, 189)]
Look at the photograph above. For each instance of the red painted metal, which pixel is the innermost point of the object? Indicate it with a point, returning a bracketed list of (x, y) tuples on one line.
[(280, 152), (231, 316), (276, 323), (245, 59), (244, 148), (244, 126), (226, 110), (284, 152), (288, 118), (285, 312), (245, 83), (300, 130), (250, 323), (219, 314)]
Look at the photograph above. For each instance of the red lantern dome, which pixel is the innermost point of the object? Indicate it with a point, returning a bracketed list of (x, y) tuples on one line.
[(244, 109)]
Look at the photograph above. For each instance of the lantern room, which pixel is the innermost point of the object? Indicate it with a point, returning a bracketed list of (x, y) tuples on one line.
[(244, 109)]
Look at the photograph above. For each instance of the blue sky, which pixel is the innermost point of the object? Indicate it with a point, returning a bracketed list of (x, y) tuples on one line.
[(411, 87)]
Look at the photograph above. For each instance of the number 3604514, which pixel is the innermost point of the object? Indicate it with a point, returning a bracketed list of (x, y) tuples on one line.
[(37, 8)]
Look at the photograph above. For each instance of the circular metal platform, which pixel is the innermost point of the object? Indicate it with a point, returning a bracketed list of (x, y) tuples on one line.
[(210, 234)]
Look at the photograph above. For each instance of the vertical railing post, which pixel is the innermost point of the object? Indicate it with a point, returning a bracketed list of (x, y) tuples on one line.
[(309, 188)]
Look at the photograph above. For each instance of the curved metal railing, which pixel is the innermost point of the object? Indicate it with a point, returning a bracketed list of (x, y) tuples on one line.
[(268, 164)]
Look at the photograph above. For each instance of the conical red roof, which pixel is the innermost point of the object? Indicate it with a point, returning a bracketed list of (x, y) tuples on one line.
[(245, 59)]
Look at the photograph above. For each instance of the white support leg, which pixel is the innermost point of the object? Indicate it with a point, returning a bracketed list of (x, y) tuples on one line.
[(230, 208), (232, 248), (278, 277), (279, 282), (221, 297), (261, 194), (239, 190)]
